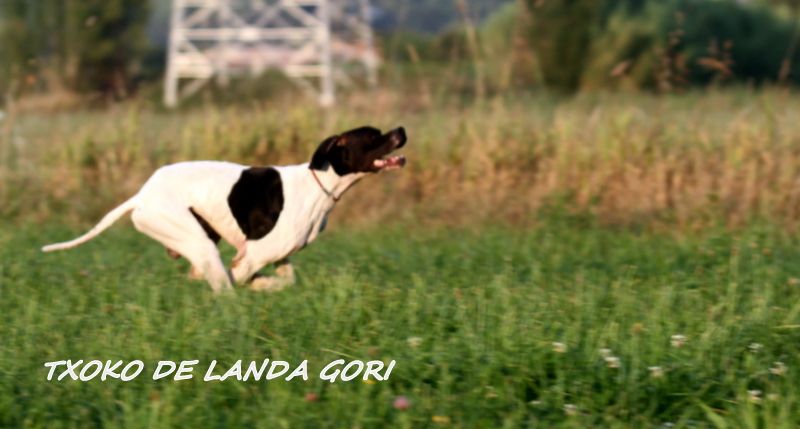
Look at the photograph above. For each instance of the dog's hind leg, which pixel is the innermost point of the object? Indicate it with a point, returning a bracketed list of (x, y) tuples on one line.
[(179, 231), (194, 273), (173, 254)]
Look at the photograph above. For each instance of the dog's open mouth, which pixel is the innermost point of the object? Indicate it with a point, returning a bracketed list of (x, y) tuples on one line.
[(390, 163)]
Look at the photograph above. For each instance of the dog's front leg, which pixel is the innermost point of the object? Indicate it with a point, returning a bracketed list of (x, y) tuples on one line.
[(241, 252), (284, 277)]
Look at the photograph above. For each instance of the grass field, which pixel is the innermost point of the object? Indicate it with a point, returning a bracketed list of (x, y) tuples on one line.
[(681, 161), (490, 328), (603, 261)]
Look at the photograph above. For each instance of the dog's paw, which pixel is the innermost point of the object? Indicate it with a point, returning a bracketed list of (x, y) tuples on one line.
[(195, 274), (268, 284), (224, 292)]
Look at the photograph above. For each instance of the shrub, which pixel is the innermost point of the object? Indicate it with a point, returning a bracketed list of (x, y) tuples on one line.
[(561, 33), (755, 39), (701, 42), (111, 43)]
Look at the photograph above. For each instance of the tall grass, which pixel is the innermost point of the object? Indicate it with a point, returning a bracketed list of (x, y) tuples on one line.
[(686, 161)]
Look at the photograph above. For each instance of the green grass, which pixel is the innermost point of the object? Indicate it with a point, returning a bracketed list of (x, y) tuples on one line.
[(487, 304)]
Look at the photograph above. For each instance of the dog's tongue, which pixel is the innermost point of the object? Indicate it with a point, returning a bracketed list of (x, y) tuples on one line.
[(391, 162)]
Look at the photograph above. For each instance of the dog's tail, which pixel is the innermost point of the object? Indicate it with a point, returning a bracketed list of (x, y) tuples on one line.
[(101, 226)]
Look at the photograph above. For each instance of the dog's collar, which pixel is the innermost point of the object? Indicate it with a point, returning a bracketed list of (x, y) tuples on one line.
[(321, 186)]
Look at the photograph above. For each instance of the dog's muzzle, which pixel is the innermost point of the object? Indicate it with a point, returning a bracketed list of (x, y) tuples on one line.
[(397, 137)]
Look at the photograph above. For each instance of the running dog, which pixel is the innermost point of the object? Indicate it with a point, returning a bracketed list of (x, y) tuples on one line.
[(266, 213)]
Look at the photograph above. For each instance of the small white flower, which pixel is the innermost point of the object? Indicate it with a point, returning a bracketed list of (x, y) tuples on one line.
[(535, 403), (779, 368), (677, 340), (656, 371), (570, 409), (667, 425), (612, 361), (559, 347), (755, 347), (605, 352), (414, 342), (754, 396)]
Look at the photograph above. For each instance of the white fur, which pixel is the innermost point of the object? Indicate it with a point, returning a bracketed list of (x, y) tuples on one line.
[(161, 210)]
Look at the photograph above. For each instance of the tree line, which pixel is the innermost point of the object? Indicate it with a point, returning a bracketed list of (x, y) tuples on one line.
[(101, 46), (93, 46), (660, 45)]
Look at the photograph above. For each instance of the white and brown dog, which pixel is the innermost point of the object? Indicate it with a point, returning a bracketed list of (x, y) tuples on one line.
[(266, 213)]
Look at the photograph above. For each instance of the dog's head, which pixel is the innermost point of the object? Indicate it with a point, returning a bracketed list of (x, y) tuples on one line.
[(362, 150)]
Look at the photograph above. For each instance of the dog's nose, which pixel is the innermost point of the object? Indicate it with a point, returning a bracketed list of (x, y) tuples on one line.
[(399, 137)]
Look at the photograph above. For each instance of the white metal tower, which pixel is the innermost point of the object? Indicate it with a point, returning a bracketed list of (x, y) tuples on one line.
[(306, 39)]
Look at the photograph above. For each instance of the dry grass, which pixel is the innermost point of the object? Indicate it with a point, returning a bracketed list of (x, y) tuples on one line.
[(683, 161)]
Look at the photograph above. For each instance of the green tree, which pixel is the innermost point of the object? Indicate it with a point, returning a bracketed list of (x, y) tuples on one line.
[(88, 45), (561, 34), (110, 44), (29, 40)]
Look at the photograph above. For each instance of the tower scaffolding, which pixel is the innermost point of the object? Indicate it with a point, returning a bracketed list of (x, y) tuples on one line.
[(308, 40)]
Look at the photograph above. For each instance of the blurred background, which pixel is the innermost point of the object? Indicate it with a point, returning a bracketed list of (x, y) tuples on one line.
[(629, 110), (596, 226), (117, 49)]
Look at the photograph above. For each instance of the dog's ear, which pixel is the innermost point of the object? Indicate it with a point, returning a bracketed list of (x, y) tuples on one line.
[(319, 160)]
